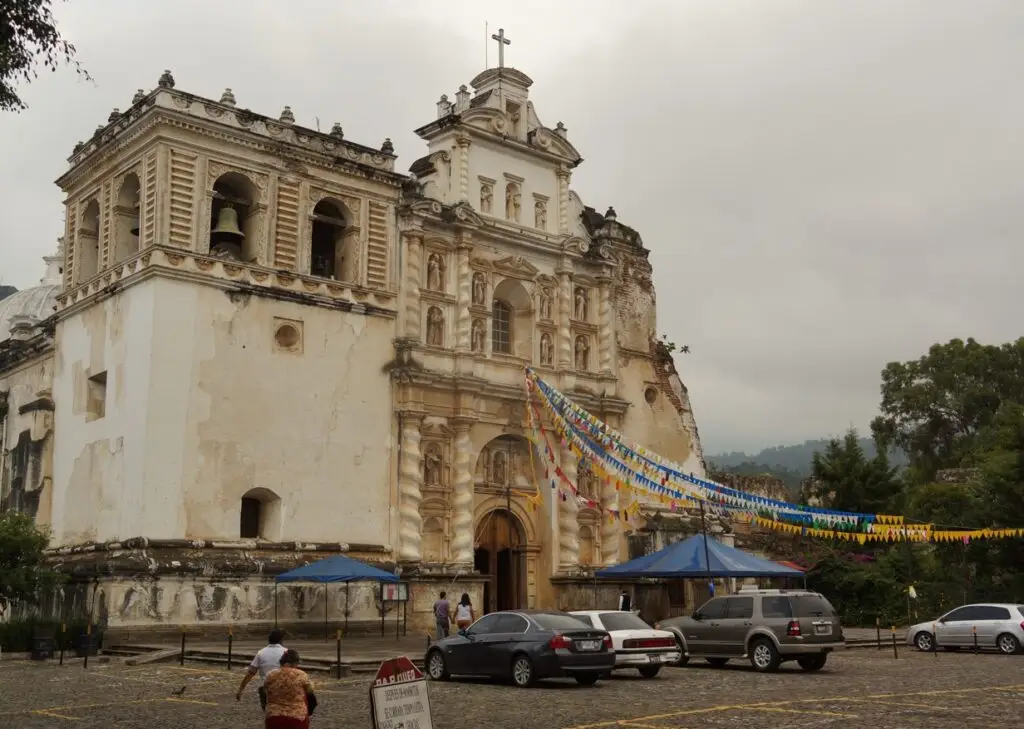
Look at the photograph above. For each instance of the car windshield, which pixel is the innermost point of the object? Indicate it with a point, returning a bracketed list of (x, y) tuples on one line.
[(811, 606), (623, 621), (555, 621)]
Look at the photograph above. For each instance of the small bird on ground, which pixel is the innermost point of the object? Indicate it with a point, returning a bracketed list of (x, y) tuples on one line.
[(180, 692)]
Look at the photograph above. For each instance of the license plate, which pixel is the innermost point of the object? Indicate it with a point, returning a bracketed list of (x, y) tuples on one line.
[(822, 629), (655, 658), (589, 645)]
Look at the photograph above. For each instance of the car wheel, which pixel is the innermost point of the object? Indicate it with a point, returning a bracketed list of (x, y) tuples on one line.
[(649, 671), (717, 662), (925, 641), (764, 656), (522, 671), (1008, 644), (437, 669), (683, 658), (586, 679), (812, 663)]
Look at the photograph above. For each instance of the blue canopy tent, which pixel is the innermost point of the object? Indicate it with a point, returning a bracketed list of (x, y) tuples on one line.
[(336, 569), (698, 556)]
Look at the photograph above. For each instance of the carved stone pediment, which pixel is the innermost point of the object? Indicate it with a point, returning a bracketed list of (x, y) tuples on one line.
[(465, 215), (481, 264), (545, 280), (426, 206), (547, 140), (516, 266), (436, 430), (575, 244)]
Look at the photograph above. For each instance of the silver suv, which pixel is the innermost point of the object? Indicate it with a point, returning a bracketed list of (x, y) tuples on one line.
[(768, 627)]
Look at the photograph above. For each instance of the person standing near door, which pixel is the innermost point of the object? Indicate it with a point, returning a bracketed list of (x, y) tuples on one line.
[(464, 614), (442, 615)]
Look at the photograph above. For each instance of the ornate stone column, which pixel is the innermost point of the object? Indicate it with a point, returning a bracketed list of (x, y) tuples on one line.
[(563, 199), (568, 529), (564, 313), (606, 328), (463, 145), (463, 292), (413, 263), (609, 527), (410, 483), (462, 498)]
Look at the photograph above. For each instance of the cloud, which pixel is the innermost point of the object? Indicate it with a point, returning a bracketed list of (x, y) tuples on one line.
[(825, 186)]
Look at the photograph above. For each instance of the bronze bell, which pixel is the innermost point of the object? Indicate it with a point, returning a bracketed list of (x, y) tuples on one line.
[(135, 228), (227, 223)]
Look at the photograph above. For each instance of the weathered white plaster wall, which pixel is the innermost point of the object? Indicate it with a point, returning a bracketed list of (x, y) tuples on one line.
[(204, 406)]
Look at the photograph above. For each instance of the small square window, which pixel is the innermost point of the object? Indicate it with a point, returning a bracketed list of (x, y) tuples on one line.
[(96, 396)]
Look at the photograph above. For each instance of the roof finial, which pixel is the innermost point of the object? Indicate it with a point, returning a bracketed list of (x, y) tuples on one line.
[(114, 116), (387, 147), (502, 42), (287, 116), (166, 80), (227, 98), (139, 96)]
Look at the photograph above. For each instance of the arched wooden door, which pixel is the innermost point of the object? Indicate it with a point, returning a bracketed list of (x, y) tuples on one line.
[(500, 556)]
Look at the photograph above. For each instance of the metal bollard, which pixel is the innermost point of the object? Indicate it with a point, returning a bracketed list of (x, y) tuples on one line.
[(935, 641), (88, 644), (231, 640), (974, 632), (878, 631), (338, 656), (63, 641), (895, 651), (428, 641), (182, 658)]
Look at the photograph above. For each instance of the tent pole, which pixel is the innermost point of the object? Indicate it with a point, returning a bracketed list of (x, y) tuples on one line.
[(381, 609), (346, 608), (707, 557), (275, 604), (327, 634)]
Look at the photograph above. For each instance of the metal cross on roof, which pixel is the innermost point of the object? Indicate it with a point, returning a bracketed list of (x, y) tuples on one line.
[(502, 42)]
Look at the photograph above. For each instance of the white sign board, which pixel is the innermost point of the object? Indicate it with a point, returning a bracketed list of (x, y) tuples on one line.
[(398, 697)]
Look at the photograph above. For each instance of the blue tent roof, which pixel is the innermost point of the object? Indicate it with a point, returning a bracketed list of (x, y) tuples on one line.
[(336, 569), (685, 559)]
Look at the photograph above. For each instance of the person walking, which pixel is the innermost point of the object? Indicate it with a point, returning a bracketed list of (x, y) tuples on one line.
[(464, 614), (442, 615), (290, 697), (267, 659)]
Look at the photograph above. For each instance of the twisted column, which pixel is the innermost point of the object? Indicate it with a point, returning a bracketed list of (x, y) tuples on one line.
[(463, 285), (410, 482), (412, 284), (609, 527), (564, 333), (605, 327), (462, 499), (463, 143), (563, 200), (568, 529)]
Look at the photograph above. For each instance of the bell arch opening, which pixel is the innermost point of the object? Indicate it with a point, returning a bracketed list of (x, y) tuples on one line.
[(332, 249), (88, 258), (233, 218), (126, 219)]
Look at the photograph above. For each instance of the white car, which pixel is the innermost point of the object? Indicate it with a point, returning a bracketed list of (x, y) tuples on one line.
[(637, 645)]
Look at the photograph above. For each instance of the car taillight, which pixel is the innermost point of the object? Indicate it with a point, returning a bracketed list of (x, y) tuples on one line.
[(607, 640), (1022, 626), (559, 641), (793, 629)]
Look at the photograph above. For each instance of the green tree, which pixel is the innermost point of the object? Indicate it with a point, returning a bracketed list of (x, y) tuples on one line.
[(845, 479), (935, 408), (24, 572), (28, 38)]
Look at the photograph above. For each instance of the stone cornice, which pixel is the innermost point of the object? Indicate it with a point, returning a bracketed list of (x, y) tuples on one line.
[(232, 276)]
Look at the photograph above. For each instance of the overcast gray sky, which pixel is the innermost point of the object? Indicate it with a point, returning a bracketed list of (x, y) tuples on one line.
[(825, 185)]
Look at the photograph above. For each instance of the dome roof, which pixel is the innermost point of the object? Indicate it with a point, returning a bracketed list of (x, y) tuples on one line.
[(37, 302)]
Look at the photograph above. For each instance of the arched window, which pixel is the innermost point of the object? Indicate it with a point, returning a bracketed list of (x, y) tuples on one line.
[(252, 510), (232, 219), (327, 254), (501, 327), (126, 219), (89, 242), (259, 515)]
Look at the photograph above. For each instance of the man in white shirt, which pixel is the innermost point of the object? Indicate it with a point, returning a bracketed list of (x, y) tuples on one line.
[(267, 659)]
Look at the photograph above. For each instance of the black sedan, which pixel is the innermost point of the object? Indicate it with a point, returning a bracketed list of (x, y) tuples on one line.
[(524, 645)]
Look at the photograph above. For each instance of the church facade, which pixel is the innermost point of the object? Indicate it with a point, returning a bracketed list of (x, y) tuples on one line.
[(269, 346)]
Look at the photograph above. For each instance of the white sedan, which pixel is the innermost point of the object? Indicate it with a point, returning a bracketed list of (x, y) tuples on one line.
[(637, 644)]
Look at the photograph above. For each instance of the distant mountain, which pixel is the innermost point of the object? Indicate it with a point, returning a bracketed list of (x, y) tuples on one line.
[(6, 291), (790, 463)]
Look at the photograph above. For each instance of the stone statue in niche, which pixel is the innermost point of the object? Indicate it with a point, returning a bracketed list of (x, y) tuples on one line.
[(586, 481), (435, 327), (486, 198), (545, 304), (432, 465), (546, 355), (582, 353), (499, 468), (435, 272), (540, 214), (479, 289), (478, 336), (581, 304), (512, 202)]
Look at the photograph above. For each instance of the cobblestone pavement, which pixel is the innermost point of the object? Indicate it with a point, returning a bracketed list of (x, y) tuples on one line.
[(860, 687)]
